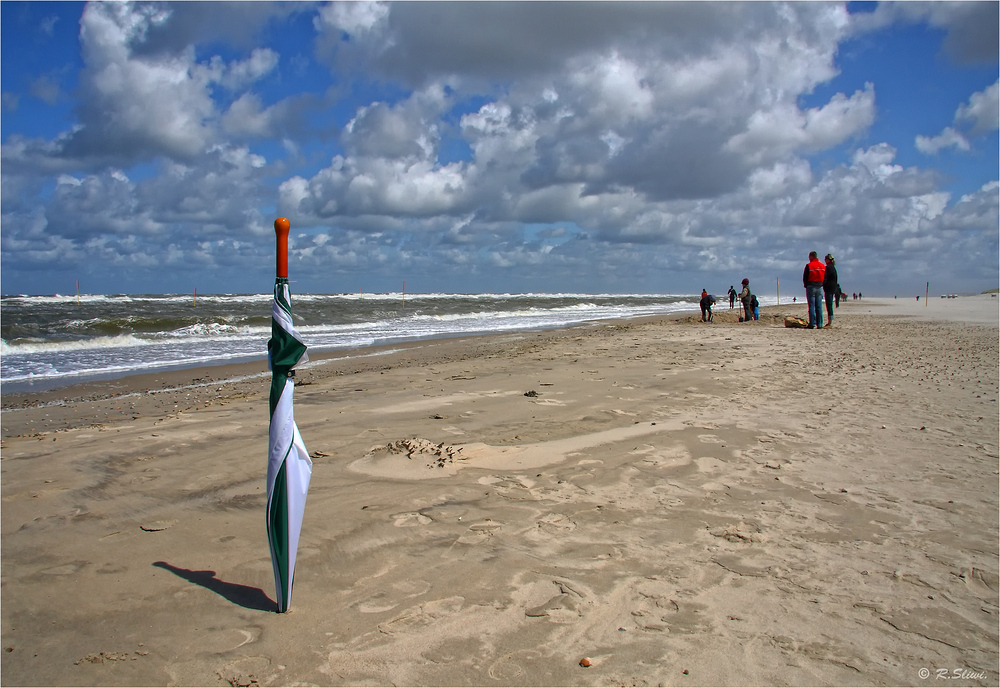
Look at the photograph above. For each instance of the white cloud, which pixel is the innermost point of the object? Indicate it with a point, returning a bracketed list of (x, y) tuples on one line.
[(971, 27), (648, 140), (982, 110), (352, 17), (239, 74), (787, 129), (948, 138)]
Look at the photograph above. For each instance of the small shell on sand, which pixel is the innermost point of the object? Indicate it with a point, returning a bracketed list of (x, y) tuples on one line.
[(585, 662)]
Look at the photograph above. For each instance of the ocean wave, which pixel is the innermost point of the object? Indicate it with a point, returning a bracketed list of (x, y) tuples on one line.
[(34, 346)]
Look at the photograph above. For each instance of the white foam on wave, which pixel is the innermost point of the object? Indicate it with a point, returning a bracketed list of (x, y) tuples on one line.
[(31, 346)]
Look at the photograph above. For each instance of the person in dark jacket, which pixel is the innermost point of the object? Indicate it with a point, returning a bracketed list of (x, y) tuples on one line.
[(830, 287), (745, 295), (707, 301), (732, 297)]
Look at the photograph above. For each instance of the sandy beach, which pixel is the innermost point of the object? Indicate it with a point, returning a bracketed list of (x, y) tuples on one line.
[(679, 503)]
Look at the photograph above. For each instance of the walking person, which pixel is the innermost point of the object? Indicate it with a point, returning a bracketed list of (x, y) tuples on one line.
[(745, 299), (732, 297), (812, 280), (830, 287)]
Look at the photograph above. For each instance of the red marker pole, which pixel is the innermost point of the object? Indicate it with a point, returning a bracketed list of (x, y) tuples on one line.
[(281, 227)]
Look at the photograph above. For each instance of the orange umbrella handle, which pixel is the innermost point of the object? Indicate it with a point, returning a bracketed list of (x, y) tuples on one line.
[(281, 226)]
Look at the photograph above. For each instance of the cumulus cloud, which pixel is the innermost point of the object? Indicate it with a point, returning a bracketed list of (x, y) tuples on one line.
[(538, 141), (787, 129), (948, 138), (137, 104), (982, 112), (972, 28)]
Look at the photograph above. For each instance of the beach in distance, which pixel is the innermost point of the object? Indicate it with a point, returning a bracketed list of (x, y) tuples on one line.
[(631, 502)]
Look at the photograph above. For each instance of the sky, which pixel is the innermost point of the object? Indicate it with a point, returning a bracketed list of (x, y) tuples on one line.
[(473, 147)]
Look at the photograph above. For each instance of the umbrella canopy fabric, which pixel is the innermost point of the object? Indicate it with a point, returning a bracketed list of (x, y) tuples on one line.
[(288, 465)]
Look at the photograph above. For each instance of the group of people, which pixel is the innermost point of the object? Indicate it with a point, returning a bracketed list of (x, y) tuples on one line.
[(751, 307), (819, 279)]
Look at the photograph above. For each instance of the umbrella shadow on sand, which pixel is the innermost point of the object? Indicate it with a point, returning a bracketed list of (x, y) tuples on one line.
[(243, 595)]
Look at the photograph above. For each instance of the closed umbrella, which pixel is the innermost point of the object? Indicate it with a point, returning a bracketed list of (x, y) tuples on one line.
[(288, 465)]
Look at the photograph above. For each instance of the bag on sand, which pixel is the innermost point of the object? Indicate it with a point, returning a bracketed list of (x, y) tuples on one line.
[(792, 321)]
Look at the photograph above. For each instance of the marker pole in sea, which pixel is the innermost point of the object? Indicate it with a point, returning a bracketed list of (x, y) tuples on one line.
[(288, 465)]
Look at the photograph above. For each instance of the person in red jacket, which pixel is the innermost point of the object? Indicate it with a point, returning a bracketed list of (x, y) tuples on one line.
[(812, 280)]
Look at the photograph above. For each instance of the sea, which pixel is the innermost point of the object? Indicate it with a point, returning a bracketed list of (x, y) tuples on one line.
[(54, 341)]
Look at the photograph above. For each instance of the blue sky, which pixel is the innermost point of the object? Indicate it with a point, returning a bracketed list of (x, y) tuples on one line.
[(487, 146)]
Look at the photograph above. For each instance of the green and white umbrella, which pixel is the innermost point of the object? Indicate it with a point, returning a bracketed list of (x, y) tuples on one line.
[(288, 465)]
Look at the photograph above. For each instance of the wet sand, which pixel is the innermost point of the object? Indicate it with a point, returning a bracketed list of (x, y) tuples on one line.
[(680, 503)]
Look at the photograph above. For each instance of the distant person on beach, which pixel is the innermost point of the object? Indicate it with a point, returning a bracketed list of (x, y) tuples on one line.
[(732, 297), (812, 280), (830, 287), (745, 299), (707, 301)]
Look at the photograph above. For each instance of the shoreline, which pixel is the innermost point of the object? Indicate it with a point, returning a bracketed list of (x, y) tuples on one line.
[(679, 503), (208, 383), (163, 393)]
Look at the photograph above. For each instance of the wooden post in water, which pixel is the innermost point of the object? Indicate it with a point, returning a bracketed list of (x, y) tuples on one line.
[(196, 296), (927, 294), (404, 293), (777, 286), (78, 292)]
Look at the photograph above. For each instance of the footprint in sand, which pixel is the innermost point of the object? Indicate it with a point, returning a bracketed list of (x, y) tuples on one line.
[(551, 525), (246, 671), (423, 615), (410, 519), (561, 607), (508, 667), (65, 569), (383, 601), (375, 604), (227, 639), (478, 533)]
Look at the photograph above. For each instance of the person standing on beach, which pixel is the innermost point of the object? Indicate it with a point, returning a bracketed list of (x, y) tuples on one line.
[(812, 280), (732, 297), (745, 299), (830, 287)]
